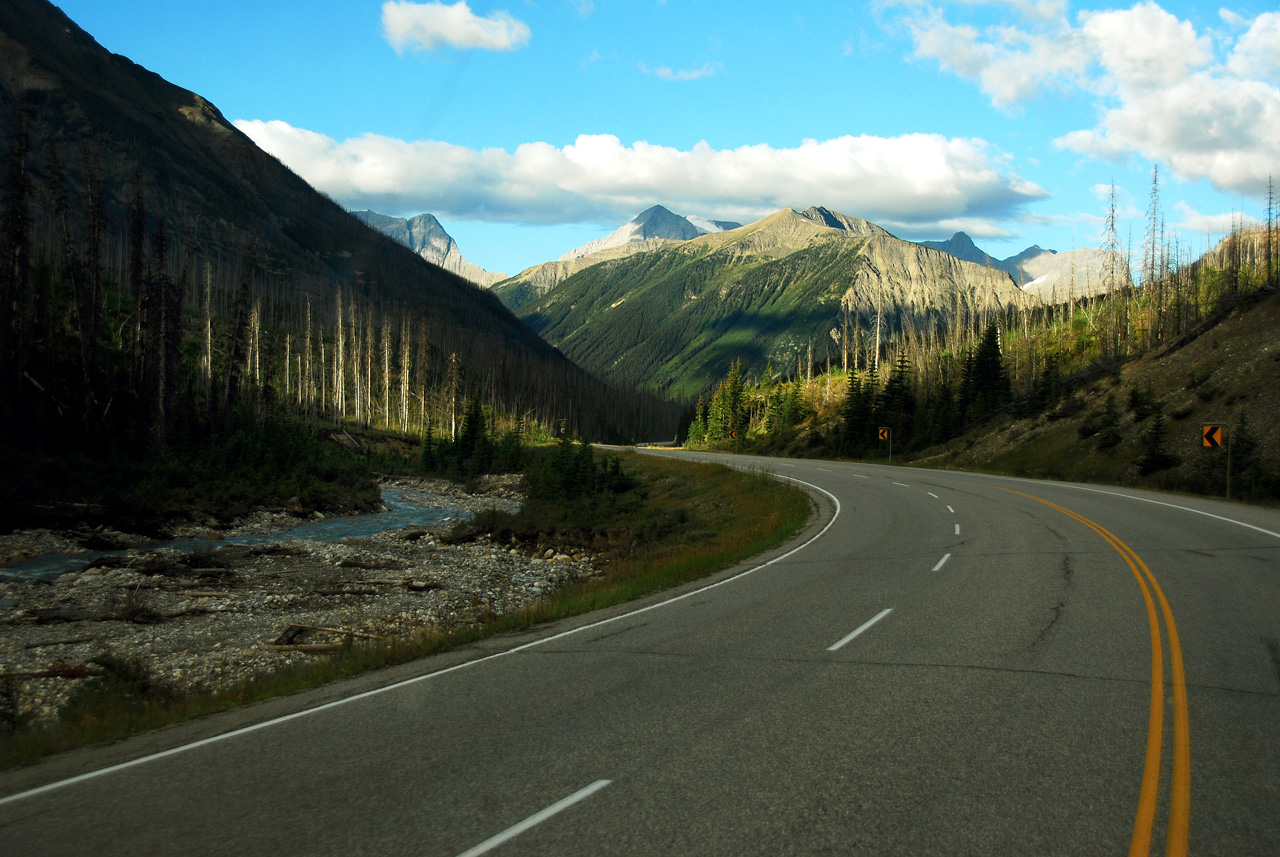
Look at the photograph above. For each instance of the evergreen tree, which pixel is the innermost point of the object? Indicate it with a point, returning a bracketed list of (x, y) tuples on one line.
[(698, 428), (1155, 457), (428, 458), (735, 407), (857, 414), (896, 405), (1109, 429), (473, 449), (986, 380)]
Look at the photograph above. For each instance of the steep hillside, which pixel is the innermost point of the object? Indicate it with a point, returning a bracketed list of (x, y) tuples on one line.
[(1226, 372), (424, 235), (673, 319), (92, 120)]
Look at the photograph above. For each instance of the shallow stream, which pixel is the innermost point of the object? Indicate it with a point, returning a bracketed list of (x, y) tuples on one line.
[(401, 512)]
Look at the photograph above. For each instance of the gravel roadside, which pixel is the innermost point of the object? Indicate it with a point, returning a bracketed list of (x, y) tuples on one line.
[(208, 621)]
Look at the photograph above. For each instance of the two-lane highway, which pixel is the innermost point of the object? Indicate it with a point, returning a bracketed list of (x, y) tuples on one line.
[(944, 664)]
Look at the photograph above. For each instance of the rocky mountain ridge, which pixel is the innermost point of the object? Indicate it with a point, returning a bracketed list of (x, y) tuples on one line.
[(1048, 274), (673, 318), (653, 228), (424, 235)]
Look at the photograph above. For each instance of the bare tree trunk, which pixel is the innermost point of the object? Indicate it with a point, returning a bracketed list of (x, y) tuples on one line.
[(386, 373)]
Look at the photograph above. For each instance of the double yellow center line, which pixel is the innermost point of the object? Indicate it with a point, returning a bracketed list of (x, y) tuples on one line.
[(1180, 794)]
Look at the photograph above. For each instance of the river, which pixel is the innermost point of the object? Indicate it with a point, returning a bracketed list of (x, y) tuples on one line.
[(402, 511)]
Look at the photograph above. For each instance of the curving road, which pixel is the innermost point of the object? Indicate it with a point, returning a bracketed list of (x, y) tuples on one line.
[(943, 663)]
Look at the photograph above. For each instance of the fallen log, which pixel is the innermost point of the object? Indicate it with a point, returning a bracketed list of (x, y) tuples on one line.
[(57, 670), (70, 642), (342, 631), (189, 594), (313, 648), (47, 615), (368, 564)]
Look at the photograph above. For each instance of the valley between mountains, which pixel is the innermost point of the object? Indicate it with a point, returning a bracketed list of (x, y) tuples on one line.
[(838, 613)]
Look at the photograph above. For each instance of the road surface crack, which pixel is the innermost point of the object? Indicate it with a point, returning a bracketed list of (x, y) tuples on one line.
[(1062, 601)]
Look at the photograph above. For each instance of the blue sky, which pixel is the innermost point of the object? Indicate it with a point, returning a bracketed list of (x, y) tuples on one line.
[(529, 128)]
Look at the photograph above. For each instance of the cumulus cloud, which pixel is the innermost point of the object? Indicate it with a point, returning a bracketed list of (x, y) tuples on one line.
[(427, 26), (1257, 53), (1010, 64), (1192, 221), (912, 182), (1165, 92)]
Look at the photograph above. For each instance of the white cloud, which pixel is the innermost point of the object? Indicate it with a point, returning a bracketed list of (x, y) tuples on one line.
[(916, 181), (1215, 225), (1257, 53), (1011, 65), (1163, 91), (1144, 46), (1232, 19), (427, 26), (666, 73)]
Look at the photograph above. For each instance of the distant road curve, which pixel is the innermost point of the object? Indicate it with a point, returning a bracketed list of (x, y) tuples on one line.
[(943, 663)]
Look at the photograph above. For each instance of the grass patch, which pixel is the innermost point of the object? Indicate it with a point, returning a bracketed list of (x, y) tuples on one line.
[(671, 522)]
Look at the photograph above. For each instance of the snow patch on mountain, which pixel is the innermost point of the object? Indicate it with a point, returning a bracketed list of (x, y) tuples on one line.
[(657, 223)]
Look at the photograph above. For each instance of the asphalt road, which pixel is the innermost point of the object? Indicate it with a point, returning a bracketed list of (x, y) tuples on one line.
[(950, 664)]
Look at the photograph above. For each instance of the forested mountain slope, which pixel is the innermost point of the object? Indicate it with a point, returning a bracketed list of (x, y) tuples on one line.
[(104, 157), (794, 288)]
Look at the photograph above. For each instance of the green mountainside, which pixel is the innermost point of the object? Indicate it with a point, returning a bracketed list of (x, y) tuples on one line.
[(794, 288)]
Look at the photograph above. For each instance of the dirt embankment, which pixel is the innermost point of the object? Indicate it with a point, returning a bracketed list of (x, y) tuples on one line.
[(1228, 375)]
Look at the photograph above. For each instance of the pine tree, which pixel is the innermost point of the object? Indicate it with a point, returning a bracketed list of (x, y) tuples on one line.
[(1155, 458), (1109, 432), (986, 380), (698, 427)]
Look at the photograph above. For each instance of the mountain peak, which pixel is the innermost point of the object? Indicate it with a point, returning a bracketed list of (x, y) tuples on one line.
[(656, 223), (843, 222), (424, 235)]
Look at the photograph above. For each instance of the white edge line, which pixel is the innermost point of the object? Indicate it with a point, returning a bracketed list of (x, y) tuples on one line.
[(1162, 503), (244, 730), (535, 819), (864, 626), (941, 562)]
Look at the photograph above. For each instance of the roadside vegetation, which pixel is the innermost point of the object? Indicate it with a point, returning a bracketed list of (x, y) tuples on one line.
[(1114, 388), (655, 522)]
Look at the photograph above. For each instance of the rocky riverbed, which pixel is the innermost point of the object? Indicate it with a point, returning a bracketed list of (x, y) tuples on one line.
[(211, 619)]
